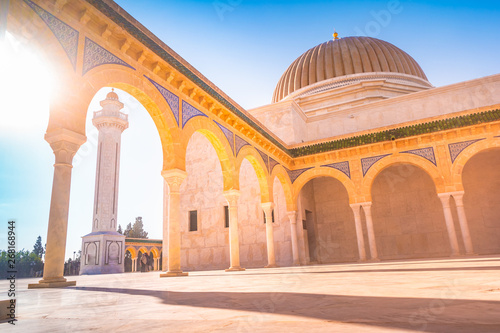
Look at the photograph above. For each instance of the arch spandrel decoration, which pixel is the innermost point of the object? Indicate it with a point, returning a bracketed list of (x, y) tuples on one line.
[(341, 166), (368, 162), (427, 153), (189, 112), (171, 99), (239, 144), (95, 55), (66, 35), (457, 148), (229, 135)]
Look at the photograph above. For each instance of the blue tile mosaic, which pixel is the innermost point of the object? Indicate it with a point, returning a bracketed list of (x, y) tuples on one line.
[(272, 164), (95, 55), (172, 99), (189, 111), (264, 157), (342, 167), (427, 153), (228, 134), (457, 148), (240, 143), (66, 35), (294, 174), (366, 163)]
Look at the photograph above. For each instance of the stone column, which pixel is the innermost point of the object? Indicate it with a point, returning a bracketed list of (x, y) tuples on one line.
[(292, 215), (367, 207), (65, 144), (134, 264), (172, 229), (359, 231), (462, 219), (445, 201), (268, 213), (232, 197)]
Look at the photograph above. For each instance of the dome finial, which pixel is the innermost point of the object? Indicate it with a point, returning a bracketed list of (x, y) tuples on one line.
[(335, 35)]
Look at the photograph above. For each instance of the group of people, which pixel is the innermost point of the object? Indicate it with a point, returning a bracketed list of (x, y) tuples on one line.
[(146, 263)]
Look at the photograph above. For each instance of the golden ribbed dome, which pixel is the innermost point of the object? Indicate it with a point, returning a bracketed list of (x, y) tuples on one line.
[(345, 56)]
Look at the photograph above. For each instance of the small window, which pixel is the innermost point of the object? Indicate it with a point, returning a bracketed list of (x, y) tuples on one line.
[(272, 216), (304, 224), (226, 216), (193, 220)]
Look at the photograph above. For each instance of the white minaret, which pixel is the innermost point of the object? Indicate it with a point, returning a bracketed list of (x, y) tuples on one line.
[(103, 250)]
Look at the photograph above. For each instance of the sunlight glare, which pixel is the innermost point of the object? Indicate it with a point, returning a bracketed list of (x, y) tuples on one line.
[(25, 86)]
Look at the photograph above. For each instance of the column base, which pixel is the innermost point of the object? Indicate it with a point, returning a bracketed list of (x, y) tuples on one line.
[(271, 266), (234, 269), (296, 264), (52, 283), (374, 260), (472, 254), (174, 273)]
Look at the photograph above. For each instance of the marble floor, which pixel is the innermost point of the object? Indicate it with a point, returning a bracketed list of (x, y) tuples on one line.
[(442, 295)]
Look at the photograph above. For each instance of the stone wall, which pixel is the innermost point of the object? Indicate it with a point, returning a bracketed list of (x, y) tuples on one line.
[(481, 178), (407, 214)]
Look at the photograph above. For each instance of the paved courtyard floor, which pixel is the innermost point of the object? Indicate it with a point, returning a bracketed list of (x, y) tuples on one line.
[(447, 295)]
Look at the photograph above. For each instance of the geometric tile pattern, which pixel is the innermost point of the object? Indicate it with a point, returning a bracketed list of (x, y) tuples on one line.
[(264, 157), (228, 134), (457, 148), (427, 153), (95, 55), (294, 174), (342, 167), (240, 143), (189, 111), (272, 164), (172, 99), (66, 35), (366, 163)]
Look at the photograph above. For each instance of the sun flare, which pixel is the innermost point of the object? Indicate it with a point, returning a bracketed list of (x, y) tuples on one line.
[(26, 82)]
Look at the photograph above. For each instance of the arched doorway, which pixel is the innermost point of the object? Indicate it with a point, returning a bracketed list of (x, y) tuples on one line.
[(407, 214), (481, 180)]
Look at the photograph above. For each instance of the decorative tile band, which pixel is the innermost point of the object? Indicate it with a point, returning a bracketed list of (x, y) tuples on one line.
[(188, 112), (228, 134), (427, 153), (457, 148), (341, 166), (172, 99), (66, 35), (265, 158), (366, 163), (95, 55), (240, 143), (294, 174), (272, 164)]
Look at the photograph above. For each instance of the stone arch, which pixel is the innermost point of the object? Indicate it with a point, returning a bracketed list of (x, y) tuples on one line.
[(132, 251), (142, 250), (280, 172), (251, 154), (144, 92), (468, 153), (374, 171), (156, 253), (219, 142), (325, 172)]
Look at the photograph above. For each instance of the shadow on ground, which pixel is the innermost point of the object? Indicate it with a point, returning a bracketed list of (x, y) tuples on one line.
[(447, 313)]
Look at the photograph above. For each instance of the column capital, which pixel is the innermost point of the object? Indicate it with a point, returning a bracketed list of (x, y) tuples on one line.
[(356, 208), (267, 207), (367, 204), (292, 215), (65, 143), (232, 197), (458, 196), (174, 178), (445, 199)]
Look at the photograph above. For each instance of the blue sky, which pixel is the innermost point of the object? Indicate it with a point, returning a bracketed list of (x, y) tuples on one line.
[(241, 46)]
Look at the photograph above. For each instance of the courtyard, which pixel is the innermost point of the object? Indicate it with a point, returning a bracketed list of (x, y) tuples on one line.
[(439, 295)]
